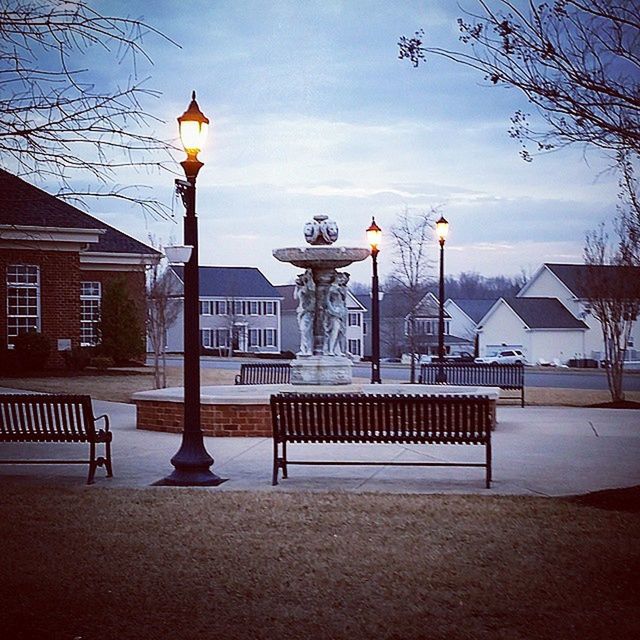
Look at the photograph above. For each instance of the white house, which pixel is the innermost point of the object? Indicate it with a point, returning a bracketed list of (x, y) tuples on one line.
[(542, 328), (291, 333), (569, 283), (465, 314), (239, 312)]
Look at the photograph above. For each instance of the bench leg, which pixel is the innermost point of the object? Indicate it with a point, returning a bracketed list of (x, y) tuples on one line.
[(488, 462), (283, 462), (93, 463), (107, 461), (274, 477)]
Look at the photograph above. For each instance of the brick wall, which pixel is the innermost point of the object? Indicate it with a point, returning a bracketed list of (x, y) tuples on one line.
[(215, 420), (60, 277), (59, 294)]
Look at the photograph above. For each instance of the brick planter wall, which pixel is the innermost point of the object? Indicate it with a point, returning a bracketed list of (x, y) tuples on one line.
[(215, 419)]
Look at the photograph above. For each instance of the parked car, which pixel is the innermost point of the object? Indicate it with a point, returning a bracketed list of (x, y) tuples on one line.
[(508, 356)]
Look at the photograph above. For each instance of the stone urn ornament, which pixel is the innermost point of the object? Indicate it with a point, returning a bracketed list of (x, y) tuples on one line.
[(321, 231)]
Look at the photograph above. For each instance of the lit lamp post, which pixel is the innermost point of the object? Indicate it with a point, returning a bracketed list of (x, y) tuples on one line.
[(192, 462), (374, 237), (442, 228)]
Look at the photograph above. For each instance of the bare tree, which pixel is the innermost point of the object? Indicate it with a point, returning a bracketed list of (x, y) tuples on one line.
[(163, 309), (628, 211), (576, 61), (613, 293), (413, 236), (55, 122)]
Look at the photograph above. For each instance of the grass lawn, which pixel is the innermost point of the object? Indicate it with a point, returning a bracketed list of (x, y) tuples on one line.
[(161, 563)]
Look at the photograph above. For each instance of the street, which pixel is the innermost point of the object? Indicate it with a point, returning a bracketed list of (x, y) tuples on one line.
[(557, 378)]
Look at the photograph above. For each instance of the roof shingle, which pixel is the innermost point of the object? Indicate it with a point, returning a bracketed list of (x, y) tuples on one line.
[(22, 204), (544, 313), (232, 282)]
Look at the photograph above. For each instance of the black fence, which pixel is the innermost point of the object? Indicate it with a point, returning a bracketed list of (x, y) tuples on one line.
[(465, 374)]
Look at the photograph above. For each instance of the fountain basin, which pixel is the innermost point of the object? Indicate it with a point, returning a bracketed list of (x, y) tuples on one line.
[(325, 257), (243, 410)]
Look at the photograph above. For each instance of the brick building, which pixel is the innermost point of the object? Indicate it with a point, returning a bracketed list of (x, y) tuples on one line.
[(55, 261)]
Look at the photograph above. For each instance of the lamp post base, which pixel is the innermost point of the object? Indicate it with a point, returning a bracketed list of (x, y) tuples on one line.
[(441, 377), (190, 478), (191, 464)]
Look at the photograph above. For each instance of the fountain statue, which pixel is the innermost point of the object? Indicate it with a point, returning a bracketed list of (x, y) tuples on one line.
[(321, 294)]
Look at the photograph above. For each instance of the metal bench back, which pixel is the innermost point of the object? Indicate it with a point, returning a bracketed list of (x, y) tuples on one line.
[(265, 373), (381, 418), (46, 418), (505, 376)]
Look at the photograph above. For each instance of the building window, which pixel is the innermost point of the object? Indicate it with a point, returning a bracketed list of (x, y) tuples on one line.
[(262, 338), (269, 308), (253, 308), (90, 297), (364, 328), (214, 338), (354, 319), (221, 307), (206, 307), (354, 347), (222, 338), (23, 300)]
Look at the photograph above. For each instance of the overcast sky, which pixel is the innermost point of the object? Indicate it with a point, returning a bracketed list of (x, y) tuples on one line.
[(313, 113)]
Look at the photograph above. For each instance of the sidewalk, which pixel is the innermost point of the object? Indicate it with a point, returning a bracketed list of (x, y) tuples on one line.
[(548, 451)]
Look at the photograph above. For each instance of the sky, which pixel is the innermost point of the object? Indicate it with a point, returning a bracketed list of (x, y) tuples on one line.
[(313, 113)]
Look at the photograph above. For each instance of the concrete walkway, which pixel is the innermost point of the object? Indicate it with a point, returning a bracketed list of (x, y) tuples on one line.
[(547, 451)]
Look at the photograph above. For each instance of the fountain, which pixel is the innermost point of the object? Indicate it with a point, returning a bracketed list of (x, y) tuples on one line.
[(321, 364), (321, 293)]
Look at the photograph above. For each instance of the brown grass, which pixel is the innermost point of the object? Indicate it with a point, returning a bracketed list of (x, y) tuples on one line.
[(116, 388), (119, 388), (170, 563)]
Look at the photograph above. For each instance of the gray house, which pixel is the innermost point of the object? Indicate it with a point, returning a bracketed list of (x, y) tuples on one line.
[(239, 312)]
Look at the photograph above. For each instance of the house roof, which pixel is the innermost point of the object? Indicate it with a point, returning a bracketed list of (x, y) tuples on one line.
[(232, 282), (23, 205), (475, 309), (288, 303), (429, 307), (580, 278), (544, 313)]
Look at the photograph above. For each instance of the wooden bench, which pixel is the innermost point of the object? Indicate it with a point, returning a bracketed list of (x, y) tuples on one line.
[(476, 374), (394, 419), (55, 418), (264, 373)]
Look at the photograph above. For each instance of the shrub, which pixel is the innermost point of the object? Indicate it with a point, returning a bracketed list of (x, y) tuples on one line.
[(78, 358), (8, 361), (32, 350), (121, 330), (101, 363)]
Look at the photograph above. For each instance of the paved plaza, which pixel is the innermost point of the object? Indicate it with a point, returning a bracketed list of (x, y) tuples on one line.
[(546, 451)]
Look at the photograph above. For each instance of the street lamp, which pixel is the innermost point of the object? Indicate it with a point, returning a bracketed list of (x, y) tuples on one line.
[(374, 238), (442, 228), (192, 462)]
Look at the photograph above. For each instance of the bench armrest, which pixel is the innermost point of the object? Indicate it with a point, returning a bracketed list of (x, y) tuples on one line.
[(106, 421)]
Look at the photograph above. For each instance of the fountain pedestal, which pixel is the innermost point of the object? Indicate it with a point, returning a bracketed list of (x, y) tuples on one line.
[(321, 370)]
